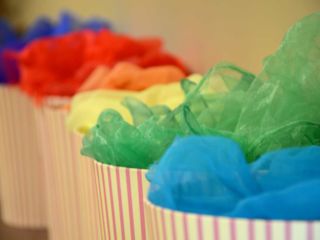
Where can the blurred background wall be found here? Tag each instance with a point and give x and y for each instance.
(203, 32)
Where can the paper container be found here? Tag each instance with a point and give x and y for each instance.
(72, 207)
(89, 201)
(21, 170)
(167, 224)
(120, 199)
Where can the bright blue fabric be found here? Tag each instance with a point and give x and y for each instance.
(68, 23)
(210, 175)
(282, 169)
(7, 34)
(8, 39)
(298, 202)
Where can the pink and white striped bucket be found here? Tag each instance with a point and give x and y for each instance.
(21, 169)
(120, 194)
(167, 224)
(72, 203)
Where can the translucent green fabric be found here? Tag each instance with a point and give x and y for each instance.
(278, 108)
(282, 107)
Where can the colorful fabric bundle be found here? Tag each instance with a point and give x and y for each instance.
(43, 27)
(10, 42)
(279, 108)
(68, 23)
(129, 76)
(86, 106)
(60, 65)
(115, 141)
(210, 175)
(7, 34)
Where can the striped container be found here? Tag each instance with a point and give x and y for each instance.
(168, 224)
(72, 206)
(21, 169)
(120, 194)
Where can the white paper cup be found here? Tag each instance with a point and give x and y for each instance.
(71, 197)
(167, 224)
(120, 199)
(21, 169)
(61, 176)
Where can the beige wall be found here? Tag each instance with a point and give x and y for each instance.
(203, 32)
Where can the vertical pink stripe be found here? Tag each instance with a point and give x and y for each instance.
(151, 223)
(85, 173)
(52, 195)
(60, 224)
(12, 156)
(63, 177)
(100, 199)
(42, 128)
(15, 206)
(140, 192)
(106, 205)
(60, 186)
(93, 204)
(120, 202)
(112, 204)
(130, 207)
(15, 154)
(163, 223)
(251, 230)
(310, 231)
(97, 194)
(35, 198)
(21, 154)
(268, 228)
(92, 195)
(199, 226)
(233, 229)
(185, 226)
(27, 182)
(173, 224)
(155, 216)
(54, 206)
(216, 229)
(9, 165)
(74, 170)
(287, 227)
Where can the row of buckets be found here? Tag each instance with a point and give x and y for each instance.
(46, 183)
